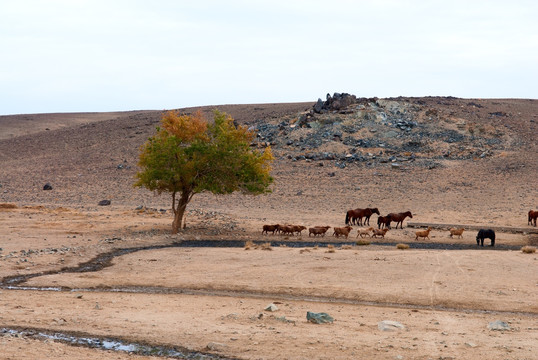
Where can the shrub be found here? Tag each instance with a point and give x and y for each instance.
(402, 246)
(528, 249)
(363, 242)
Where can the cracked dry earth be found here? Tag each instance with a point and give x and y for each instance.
(209, 302)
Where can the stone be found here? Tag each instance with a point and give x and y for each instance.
(104, 203)
(389, 325)
(318, 106)
(319, 318)
(214, 346)
(271, 307)
(47, 186)
(498, 325)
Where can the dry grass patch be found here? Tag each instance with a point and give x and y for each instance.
(330, 249)
(528, 249)
(402, 246)
(249, 245)
(266, 246)
(7, 206)
(363, 242)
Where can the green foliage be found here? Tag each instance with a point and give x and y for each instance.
(188, 155)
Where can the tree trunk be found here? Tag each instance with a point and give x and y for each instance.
(179, 211)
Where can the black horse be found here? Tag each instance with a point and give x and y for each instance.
(485, 234)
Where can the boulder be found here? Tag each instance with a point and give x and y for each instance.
(319, 318)
(498, 325)
(389, 325)
(271, 307)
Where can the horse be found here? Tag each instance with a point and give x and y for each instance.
(353, 215)
(532, 216)
(485, 234)
(383, 221)
(399, 218)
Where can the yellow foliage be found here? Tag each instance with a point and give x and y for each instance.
(185, 127)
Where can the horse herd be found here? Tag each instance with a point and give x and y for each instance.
(356, 216)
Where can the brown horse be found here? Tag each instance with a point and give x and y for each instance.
(383, 221)
(353, 215)
(399, 218)
(532, 217)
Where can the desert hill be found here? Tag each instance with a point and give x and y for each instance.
(76, 270)
(435, 155)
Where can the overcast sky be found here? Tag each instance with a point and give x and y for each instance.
(106, 55)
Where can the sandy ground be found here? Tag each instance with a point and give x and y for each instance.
(213, 299)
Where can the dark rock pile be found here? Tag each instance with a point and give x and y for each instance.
(375, 131)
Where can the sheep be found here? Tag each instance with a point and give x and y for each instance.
(363, 232)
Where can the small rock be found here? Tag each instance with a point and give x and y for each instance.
(319, 318)
(470, 344)
(498, 325)
(271, 307)
(47, 186)
(104, 203)
(389, 325)
(214, 346)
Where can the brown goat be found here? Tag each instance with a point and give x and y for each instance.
(423, 233)
(298, 229)
(380, 232)
(286, 229)
(270, 228)
(457, 232)
(318, 230)
(342, 231)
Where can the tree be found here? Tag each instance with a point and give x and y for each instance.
(189, 155)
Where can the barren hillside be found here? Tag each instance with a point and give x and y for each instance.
(438, 156)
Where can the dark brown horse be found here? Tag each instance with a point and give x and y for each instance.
(355, 216)
(399, 218)
(383, 222)
(532, 217)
